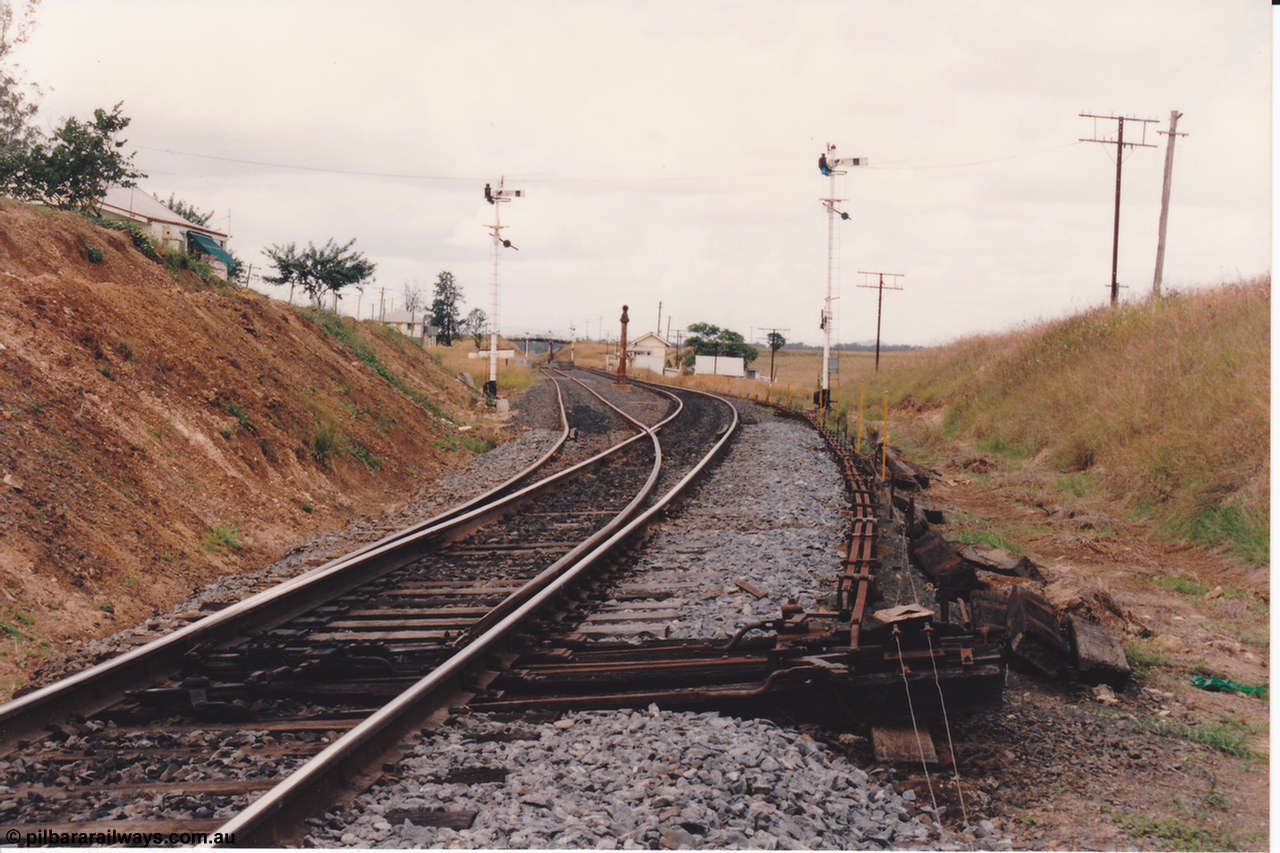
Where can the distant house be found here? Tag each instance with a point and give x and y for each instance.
(648, 352)
(166, 227)
(414, 325)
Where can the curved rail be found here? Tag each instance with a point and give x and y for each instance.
(98, 685)
(378, 732)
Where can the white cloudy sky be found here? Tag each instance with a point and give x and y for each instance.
(668, 149)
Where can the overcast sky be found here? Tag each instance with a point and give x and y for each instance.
(669, 153)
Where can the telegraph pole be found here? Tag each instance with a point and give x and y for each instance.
(497, 198)
(1173, 135)
(831, 165)
(1120, 145)
(658, 328)
(771, 331)
(881, 287)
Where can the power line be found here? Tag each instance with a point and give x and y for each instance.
(881, 287)
(325, 169)
(1120, 146)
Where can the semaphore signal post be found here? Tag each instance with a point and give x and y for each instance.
(831, 165)
(497, 198)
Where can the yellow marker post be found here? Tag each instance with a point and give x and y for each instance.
(884, 439)
(862, 390)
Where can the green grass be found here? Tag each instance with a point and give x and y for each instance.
(242, 417)
(367, 457)
(325, 442)
(221, 535)
(1225, 735)
(987, 537)
(105, 370)
(1175, 833)
(464, 442)
(1009, 450)
(348, 334)
(127, 348)
(1244, 534)
(1074, 484)
(1141, 658)
(1179, 584)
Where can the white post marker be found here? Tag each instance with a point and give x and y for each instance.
(831, 165)
(497, 198)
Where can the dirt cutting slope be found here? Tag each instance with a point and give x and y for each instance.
(156, 433)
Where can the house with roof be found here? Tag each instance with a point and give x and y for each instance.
(415, 325)
(648, 352)
(167, 228)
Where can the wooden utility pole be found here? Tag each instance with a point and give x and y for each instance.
(771, 331)
(1119, 143)
(1173, 134)
(881, 287)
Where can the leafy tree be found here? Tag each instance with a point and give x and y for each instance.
(445, 314)
(330, 267)
(189, 212)
(74, 169)
(707, 339)
(475, 325)
(17, 134)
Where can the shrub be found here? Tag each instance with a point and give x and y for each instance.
(324, 441)
(370, 460)
(221, 534)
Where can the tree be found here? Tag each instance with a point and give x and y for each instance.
(445, 314)
(330, 267)
(189, 212)
(74, 169)
(776, 342)
(706, 339)
(412, 300)
(17, 133)
(475, 325)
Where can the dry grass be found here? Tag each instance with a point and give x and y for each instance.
(1166, 403)
(512, 376)
(1163, 405)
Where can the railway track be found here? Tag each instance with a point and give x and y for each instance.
(243, 722)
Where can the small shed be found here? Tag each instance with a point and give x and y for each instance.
(166, 227)
(719, 365)
(648, 352)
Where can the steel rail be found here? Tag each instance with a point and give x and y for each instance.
(527, 591)
(96, 686)
(470, 503)
(389, 723)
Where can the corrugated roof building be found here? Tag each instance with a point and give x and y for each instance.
(166, 227)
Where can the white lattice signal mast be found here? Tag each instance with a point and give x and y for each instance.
(831, 165)
(497, 198)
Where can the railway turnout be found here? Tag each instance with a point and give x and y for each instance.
(249, 721)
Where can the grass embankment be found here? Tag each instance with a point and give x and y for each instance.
(1163, 404)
